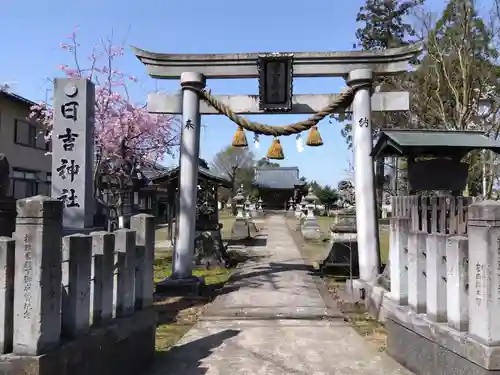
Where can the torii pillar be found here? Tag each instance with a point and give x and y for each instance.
(359, 67)
(364, 175)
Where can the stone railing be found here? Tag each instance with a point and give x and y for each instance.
(77, 303)
(445, 285)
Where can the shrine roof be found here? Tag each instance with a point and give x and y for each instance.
(277, 177)
(431, 143)
(152, 170)
(205, 173)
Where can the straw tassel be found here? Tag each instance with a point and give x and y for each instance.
(275, 151)
(314, 138)
(240, 139)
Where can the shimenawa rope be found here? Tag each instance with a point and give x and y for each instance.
(343, 101)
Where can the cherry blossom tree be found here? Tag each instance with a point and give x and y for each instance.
(128, 137)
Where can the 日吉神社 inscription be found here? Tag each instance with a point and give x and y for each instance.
(73, 150)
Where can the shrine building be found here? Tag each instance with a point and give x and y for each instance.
(277, 185)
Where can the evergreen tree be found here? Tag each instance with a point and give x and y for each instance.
(384, 23)
(458, 73)
(458, 69)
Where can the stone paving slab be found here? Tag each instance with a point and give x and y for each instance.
(272, 320)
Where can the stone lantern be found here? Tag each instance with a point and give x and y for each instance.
(298, 210)
(247, 207)
(238, 201)
(303, 206)
(310, 203)
(310, 228)
(259, 204)
(240, 229)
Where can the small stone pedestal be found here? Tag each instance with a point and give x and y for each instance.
(240, 230)
(180, 287)
(7, 216)
(209, 248)
(342, 250)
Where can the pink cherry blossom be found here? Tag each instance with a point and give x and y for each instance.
(148, 136)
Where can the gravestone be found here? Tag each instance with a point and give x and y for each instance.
(73, 150)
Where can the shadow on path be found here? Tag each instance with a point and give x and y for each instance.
(259, 275)
(187, 358)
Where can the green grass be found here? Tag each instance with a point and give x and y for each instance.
(356, 314)
(314, 250)
(161, 233)
(163, 269)
(176, 315)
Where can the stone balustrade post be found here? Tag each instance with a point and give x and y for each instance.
(417, 283)
(398, 252)
(7, 254)
(125, 272)
(484, 271)
(144, 228)
(436, 277)
(76, 270)
(457, 292)
(103, 263)
(37, 279)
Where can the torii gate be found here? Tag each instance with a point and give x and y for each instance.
(357, 67)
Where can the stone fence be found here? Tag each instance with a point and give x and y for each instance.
(79, 304)
(445, 285)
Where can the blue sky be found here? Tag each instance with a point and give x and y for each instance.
(35, 29)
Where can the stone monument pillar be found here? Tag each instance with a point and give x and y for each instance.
(310, 228)
(73, 153)
(366, 215)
